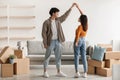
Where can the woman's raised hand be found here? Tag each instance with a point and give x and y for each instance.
(78, 8)
(72, 5)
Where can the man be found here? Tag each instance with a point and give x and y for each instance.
(53, 36)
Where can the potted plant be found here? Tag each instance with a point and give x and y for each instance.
(11, 59)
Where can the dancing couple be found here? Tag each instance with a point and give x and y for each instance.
(53, 36)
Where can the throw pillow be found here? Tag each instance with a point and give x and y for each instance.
(98, 53)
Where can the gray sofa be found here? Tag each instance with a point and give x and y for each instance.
(36, 52)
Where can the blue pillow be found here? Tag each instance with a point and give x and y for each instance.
(98, 53)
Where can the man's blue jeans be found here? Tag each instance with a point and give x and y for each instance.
(57, 48)
(80, 50)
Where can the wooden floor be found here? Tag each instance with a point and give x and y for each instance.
(36, 73)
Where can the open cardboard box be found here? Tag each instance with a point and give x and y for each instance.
(5, 53)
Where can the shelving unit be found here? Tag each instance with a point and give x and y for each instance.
(3, 25)
(11, 27)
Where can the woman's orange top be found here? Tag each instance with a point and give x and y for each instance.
(80, 33)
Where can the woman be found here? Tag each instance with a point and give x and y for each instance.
(80, 44)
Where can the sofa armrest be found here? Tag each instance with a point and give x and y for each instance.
(89, 50)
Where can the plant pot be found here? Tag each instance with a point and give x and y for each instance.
(11, 61)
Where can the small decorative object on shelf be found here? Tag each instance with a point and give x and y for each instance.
(19, 44)
(11, 59)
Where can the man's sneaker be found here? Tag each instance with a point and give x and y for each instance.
(46, 75)
(61, 74)
(85, 75)
(77, 75)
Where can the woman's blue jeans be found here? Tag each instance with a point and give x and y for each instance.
(80, 50)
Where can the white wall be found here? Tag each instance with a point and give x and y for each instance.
(103, 17)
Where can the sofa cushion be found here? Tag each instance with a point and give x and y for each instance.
(35, 48)
(67, 48)
(98, 53)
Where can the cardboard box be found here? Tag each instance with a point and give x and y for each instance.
(91, 70)
(18, 54)
(6, 52)
(107, 72)
(109, 63)
(7, 70)
(21, 66)
(112, 55)
(107, 46)
(96, 63)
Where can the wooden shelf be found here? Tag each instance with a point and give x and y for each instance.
(3, 38)
(23, 6)
(19, 17)
(22, 17)
(18, 6)
(3, 6)
(17, 38)
(3, 27)
(22, 28)
(18, 28)
(22, 38)
(3, 16)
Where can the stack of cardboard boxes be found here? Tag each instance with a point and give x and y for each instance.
(20, 66)
(104, 68)
(6, 69)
